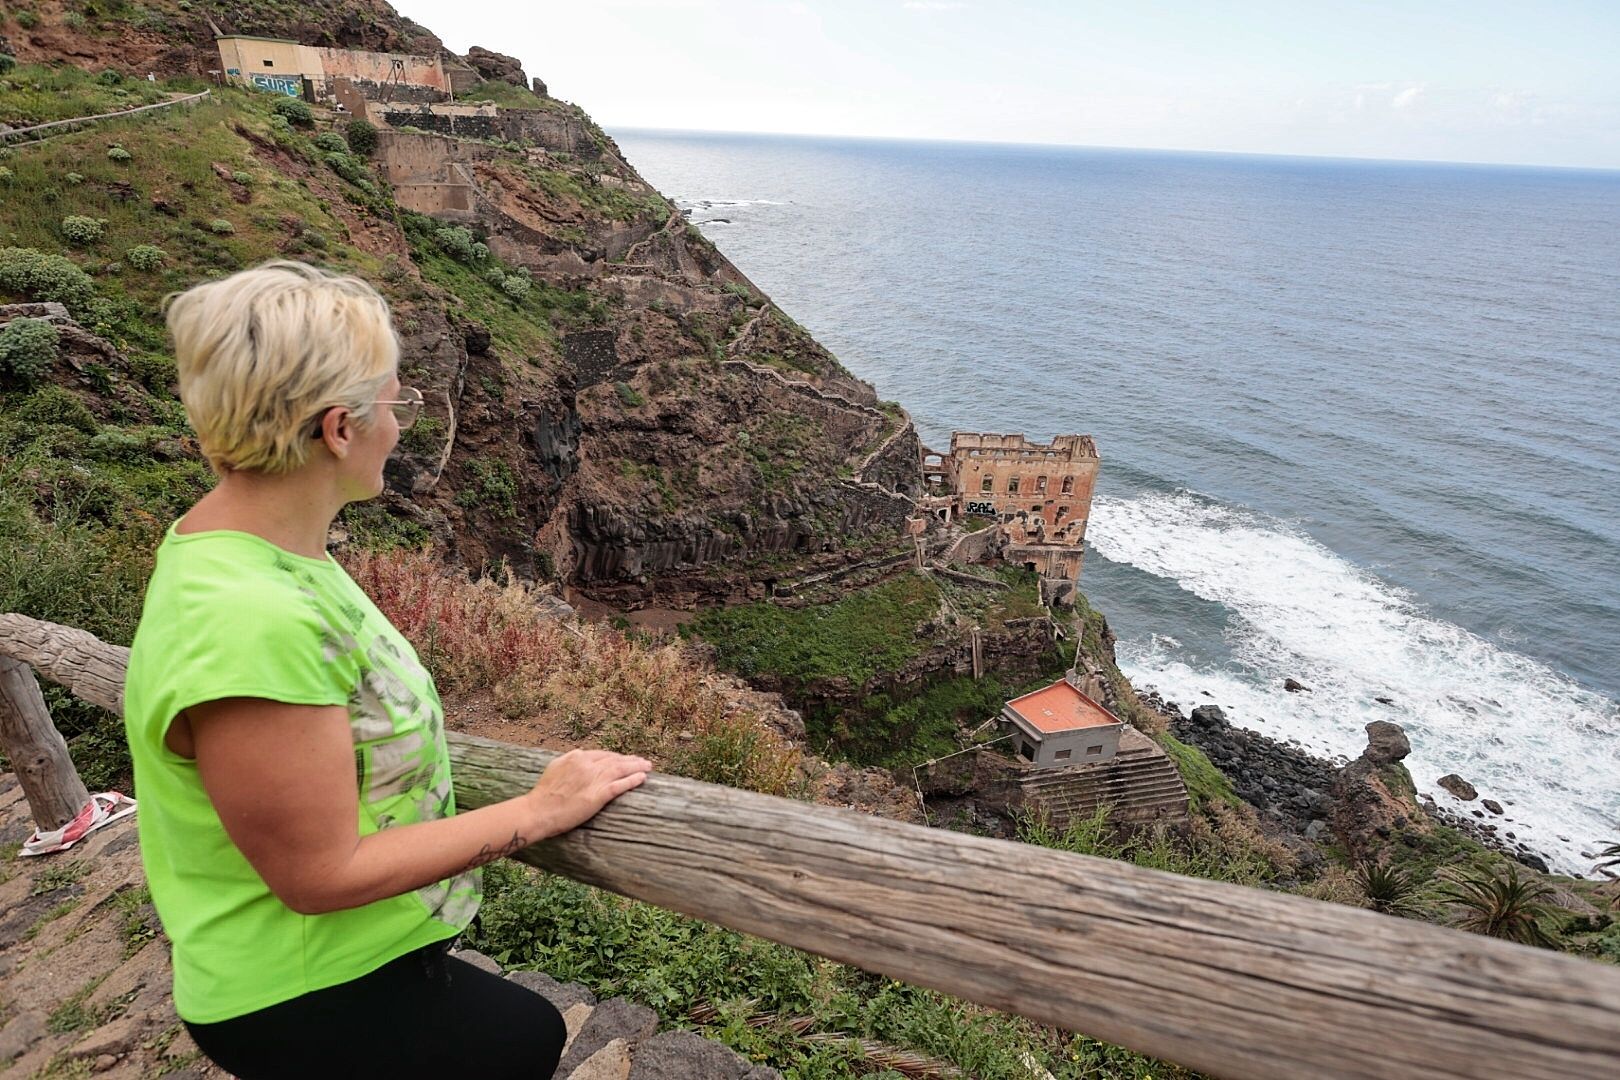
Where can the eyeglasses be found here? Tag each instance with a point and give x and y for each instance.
(406, 409)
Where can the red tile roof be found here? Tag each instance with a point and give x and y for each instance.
(1060, 707)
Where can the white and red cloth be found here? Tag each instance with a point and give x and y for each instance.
(102, 809)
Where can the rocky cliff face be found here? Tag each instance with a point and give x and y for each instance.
(633, 415)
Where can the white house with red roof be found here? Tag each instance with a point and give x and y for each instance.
(1061, 725)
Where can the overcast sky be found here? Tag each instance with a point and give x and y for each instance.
(1481, 80)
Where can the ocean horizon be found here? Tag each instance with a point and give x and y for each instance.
(1358, 418)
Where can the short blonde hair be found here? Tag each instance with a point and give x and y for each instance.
(261, 354)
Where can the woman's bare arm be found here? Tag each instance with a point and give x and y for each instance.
(282, 780)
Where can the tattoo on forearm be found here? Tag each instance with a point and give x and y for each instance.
(488, 854)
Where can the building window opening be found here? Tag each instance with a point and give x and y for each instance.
(1012, 486)
(1093, 751)
(1040, 485)
(1063, 512)
(1026, 751)
(269, 63)
(989, 481)
(1068, 485)
(1062, 755)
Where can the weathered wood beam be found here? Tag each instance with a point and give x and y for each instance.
(36, 750)
(88, 667)
(1228, 980)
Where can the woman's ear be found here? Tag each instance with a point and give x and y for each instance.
(337, 430)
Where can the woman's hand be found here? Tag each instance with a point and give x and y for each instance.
(579, 783)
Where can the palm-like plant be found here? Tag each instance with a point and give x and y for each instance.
(1501, 905)
(1388, 889)
(1609, 856)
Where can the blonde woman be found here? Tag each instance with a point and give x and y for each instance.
(297, 823)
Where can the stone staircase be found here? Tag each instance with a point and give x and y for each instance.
(1138, 784)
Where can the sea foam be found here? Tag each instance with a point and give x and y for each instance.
(1524, 734)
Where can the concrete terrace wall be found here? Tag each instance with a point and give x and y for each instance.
(552, 131)
(375, 67)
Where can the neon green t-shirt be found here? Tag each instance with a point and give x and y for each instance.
(229, 614)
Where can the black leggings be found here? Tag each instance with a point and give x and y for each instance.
(425, 1014)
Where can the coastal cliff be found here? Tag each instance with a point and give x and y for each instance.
(615, 408)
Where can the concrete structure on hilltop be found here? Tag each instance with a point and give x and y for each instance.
(1037, 497)
(1061, 725)
(315, 73)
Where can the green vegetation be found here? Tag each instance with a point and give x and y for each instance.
(295, 110)
(629, 395)
(81, 231)
(1500, 904)
(59, 876)
(1219, 846)
(28, 349)
(37, 94)
(620, 947)
(854, 638)
(494, 485)
(361, 135)
(1389, 889)
(1205, 783)
(899, 730)
(603, 199)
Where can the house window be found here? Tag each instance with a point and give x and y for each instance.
(1093, 751)
(989, 481)
(1026, 751)
(269, 63)
(1012, 486)
(1068, 485)
(1063, 512)
(1040, 485)
(1063, 755)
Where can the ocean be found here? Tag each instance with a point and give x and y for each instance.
(1359, 421)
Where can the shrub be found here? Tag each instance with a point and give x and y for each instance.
(38, 276)
(27, 20)
(28, 348)
(460, 244)
(109, 77)
(74, 178)
(54, 405)
(242, 178)
(118, 153)
(294, 111)
(145, 256)
(351, 169)
(332, 142)
(1500, 905)
(628, 394)
(221, 227)
(7, 61)
(361, 136)
(6, 175)
(279, 123)
(80, 230)
(516, 285)
(1388, 889)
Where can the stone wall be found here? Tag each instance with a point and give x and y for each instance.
(552, 131)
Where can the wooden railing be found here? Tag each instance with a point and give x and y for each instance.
(1227, 980)
(74, 121)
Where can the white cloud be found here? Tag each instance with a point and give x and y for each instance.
(932, 5)
(1406, 98)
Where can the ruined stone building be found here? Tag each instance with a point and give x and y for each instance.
(1036, 496)
(316, 73)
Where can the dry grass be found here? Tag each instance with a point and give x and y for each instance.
(492, 637)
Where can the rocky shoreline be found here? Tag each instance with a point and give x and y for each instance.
(1312, 797)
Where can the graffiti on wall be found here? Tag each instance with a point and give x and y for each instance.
(988, 509)
(290, 85)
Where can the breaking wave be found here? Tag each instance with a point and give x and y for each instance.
(1521, 732)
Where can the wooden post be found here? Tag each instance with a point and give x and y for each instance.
(36, 749)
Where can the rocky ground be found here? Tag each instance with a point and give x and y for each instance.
(85, 979)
